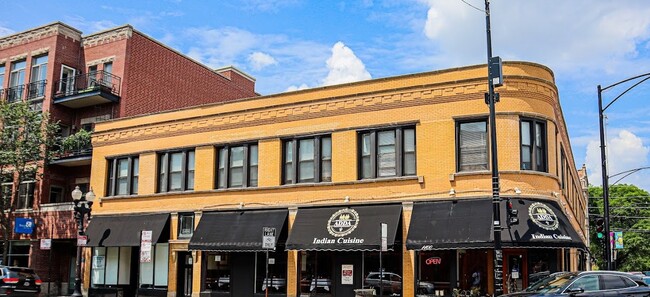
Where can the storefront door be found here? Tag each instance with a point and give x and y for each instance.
(344, 283)
(243, 274)
(516, 271)
(184, 285)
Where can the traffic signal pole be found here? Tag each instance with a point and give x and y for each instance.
(496, 199)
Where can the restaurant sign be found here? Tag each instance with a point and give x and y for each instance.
(342, 223)
(544, 217)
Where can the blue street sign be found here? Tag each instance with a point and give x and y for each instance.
(24, 226)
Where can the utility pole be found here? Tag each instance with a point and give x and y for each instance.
(494, 75)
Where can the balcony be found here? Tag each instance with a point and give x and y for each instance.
(32, 91)
(74, 150)
(94, 88)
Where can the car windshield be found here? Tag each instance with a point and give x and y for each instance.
(552, 284)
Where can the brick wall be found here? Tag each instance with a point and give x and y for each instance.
(158, 79)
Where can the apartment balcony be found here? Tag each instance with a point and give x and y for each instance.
(74, 150)
(32, 92)
(94, 88)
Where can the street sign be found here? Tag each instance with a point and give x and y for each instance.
(268, 238)
(46, 243)
(82, 240)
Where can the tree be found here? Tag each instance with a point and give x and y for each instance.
(27, 137)
(629, 213)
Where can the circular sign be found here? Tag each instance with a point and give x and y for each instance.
(543, 216)
(343, 222)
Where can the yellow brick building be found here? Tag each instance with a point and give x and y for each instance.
(325, 167)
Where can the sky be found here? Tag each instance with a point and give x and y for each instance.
(295, 44)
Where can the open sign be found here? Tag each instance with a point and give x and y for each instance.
(433, 261)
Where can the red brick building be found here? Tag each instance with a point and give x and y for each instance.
(82, 80)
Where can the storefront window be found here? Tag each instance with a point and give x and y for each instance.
(316, 272)
(154, 274)
(277, 281)
(435, 270)
(111, 266)
(541, 263)
(217, 271)
(317, 269)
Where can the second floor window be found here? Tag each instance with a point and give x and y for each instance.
(387, 153)
(472, 146)
(533, 145)
(308, 160)
(237, 166)
(25, 199)
(123, 176)
(16, 81)
(176, 171)
(185, 225)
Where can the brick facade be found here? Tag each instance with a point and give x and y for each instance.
(154, 78)
(432, 102)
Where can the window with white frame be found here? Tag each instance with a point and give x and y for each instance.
(387, 153)
(111, 266)
(154, 274)
(176, 171)
(237, 166)
(308, 160)
(472, 145)
(123, 174)
(185, 225)
(25, 199)
(37, 78)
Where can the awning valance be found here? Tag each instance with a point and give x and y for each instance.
(353, 228)
(237, 231)
(125, 230)
(463, 224)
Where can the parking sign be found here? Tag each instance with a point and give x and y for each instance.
(268, 238)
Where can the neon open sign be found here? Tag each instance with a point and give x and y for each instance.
(433, 261)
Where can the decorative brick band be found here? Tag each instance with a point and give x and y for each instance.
(39, 33)
(120, 33)
(324, 108)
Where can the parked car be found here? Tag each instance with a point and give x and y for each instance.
(646, 279)
(588, 283)
(19, 281)
(392, 284)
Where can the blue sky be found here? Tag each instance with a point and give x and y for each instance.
(293, 44)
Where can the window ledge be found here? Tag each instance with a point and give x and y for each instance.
(530, 172)
(469, 173)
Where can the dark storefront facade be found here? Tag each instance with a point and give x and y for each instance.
(338, 249)
(233, 259)
(453, 241)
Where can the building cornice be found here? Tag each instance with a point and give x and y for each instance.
(46, 31)
(110, 35)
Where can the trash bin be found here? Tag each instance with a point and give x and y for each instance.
(364, 292)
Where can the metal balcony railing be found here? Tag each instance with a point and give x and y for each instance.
(92, 81)
(36, 89)
(15, 94)
(30, 91)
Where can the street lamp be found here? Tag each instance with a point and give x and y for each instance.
(603, 155)
(82, 208)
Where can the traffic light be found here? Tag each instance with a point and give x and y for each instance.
(512, 213)
(600, 228)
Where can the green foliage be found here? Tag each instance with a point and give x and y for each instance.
(630, 213)
(26, 139)
(77, 142)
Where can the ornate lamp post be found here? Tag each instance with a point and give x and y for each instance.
(82, 208)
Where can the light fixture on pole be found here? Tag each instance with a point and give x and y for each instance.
(603, 154)
(82, 208)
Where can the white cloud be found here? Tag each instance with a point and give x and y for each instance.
(344, 66)
(625, 152)
(259, 60)
(296, 88)
(89, 27)
(6, 31)
(566, 35)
